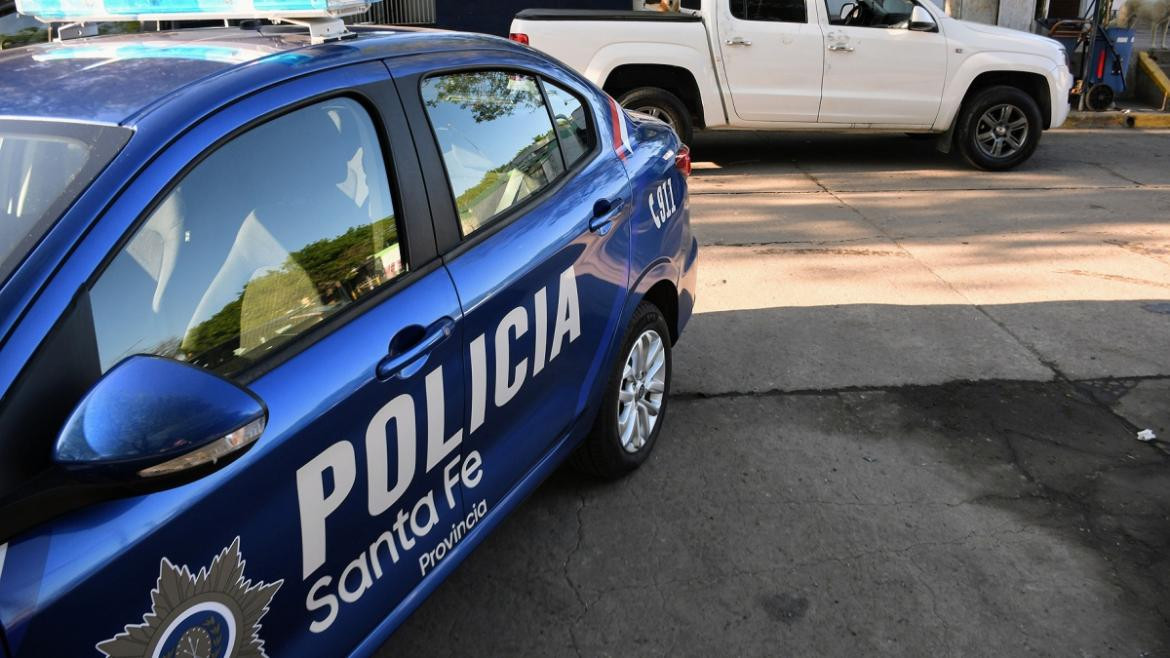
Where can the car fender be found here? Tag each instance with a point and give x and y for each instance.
(645, 53)
(987, 62)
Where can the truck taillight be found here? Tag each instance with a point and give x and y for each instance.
(519, 37)
(683, 160)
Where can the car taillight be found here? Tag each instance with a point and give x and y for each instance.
(683, 160)
(519, 38)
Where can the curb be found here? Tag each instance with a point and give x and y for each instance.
(1138, 120)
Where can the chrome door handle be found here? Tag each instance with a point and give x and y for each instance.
(841, 48)
(738, 41)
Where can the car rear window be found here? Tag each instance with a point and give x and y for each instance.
(572, 122)
(497, 140)
(44, 166)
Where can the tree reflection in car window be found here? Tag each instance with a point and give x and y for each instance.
(276, 231)
(497, 140)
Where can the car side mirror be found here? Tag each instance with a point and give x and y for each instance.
(921, 20)
(846, 10)
(151, 417)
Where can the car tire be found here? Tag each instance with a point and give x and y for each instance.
(661, 104)
(999, 128)
(608, 452)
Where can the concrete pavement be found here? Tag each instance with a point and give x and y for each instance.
(903, 422)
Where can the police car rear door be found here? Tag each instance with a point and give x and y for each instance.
(531, 203)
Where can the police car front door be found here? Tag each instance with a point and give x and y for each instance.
(542, 269)
(313, 281)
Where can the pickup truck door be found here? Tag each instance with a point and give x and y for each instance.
(877, 71)
(772, 58)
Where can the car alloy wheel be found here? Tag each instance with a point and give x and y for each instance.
(656, 112)
(1001, 131)
(642, 388)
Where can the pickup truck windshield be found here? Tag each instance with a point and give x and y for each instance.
(44, 166)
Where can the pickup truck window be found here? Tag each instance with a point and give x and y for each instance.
(780, 11)
(870, 13)
(497, 140)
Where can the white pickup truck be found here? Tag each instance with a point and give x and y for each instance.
(897, 65)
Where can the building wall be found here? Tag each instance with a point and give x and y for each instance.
(1016, 14)
(494, 17)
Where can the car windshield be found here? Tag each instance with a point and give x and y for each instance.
(44, 166)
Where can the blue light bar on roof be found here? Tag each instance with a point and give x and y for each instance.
(93, 11)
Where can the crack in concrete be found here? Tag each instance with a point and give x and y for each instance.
(892, 388)
(569, 579)
(1116, 277)
(867, 238)
(1031, 349)
(1109, 170)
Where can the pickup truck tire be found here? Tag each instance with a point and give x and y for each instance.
(999, 127)
(661, 104)
(635, 400)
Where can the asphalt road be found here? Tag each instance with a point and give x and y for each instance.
(903, 421)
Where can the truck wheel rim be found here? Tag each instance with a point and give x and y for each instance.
(1001, 131)
(657, 113)
(643, 387)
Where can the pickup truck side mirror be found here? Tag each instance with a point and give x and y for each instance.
(155, 419)
(921, 20)
(846, 10)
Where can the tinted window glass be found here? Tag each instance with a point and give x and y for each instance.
(497, 140)
(271, 234)
(572, 124)
(784, 11)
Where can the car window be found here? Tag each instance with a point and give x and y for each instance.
(870, 13)
(274, 232)
(783, 11)
(44, 166)
(497, 140)
(571, 121)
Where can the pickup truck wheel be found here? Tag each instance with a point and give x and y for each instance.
(999, 128)
(663, 105)
(634, 403)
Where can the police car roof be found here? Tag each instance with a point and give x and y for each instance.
(115, 79)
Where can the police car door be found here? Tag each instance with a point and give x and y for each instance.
(537, 242)
(276, 244)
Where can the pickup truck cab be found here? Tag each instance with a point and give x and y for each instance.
(894, 65)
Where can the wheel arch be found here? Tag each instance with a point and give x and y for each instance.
(1033, 84)
(664, 295)
(657, 285)
(1030, 74)
(675, 79)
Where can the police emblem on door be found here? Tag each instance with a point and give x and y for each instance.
(213, 614)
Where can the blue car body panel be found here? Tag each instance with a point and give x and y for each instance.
(313, 581)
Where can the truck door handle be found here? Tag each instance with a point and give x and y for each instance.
(841, 48)
(738, 41)
(404, 361)
(604, 211)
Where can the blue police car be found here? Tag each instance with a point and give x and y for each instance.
(291, 318)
